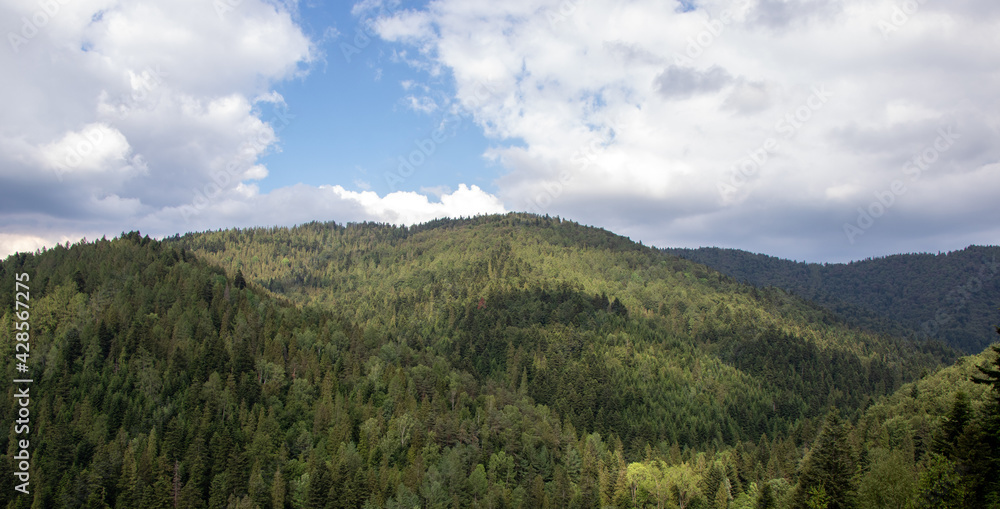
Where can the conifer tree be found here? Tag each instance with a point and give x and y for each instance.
(766, 498)
(827, 473)
(954, 425)
(239, 281)
(988, 472)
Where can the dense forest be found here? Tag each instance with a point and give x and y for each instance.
(501, 361)
(950, 296)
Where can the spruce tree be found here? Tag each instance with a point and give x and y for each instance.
(239, 281)
(954, 425)
(828, 470)
(766, 498)
(987, 470)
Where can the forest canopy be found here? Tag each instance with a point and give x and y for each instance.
(501, 361)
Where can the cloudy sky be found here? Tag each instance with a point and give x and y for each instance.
(819, 130)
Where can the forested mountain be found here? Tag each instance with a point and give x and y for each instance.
(504, 361)
(949, 296)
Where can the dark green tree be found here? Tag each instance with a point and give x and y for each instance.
(239, 281)
(954, 425)
(828, 469)
(766, 498)
(987, 471)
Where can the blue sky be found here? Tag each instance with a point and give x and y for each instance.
(819, 130)
(352, 118)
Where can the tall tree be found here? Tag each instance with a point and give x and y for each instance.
(954, 425)
(828, 470)
(988, 471)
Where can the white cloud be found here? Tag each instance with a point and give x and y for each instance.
(301, 203)
(97, 147)
(13, 243)
(405, 26)
(630, 114)
(410, 208)
(129, 115)
(139, 101)
(624, 114)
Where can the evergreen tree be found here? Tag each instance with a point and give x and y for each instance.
(239, 281)
(954, 425)
(987, 471)
(360, 368)
(828, 470)
(766, 498)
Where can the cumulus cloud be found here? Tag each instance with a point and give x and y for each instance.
(134, 114)
(761, 124)
(301, 203)
(123, 107)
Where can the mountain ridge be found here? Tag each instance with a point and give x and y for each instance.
(947, 296)
(503, 361)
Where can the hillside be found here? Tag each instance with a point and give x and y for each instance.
(478, 282)
(936, 441)
(951, 297)
(511, 361)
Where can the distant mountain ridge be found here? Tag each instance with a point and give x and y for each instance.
(951, 296)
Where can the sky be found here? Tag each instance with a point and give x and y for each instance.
(817, 130)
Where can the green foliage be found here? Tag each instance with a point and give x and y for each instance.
(826, 478)
(511, 361)
(889, 482)
(984, 454)
(940, 484)
(945, 296)
(598, 327)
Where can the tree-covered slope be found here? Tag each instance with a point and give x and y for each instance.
(947, 296)
(523, 298)
(511, 361)
(936, 441)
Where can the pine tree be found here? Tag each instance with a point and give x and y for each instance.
(766, 498)
(477, 483)
(827, 472)
(278, 490)
(239, 280)
(319, 484)
(988, 453)
(97, 499)
(954, 425)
